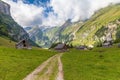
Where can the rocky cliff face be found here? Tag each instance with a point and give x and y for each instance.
(4, 8)
(8, 27)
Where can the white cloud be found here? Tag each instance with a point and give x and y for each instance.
(52, 20)
(78, 9)
(30, 15)
(25, 14)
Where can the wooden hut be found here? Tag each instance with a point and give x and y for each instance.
(82, 47)
(108, 41)
(119, 45)
(23, 44)
(61, 47)
(107, 44)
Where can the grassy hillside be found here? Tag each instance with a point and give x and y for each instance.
(98, 64)
(16, 64)
(95, 28)
(68, 34)
(65, 33)
(6, 42)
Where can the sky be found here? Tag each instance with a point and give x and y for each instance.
(49, 13)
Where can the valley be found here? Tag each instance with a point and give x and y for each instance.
(39, 64)
(87, 49)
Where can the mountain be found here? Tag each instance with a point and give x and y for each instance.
(104, 24)
(45, 37)
(42, 36)
(9, 29)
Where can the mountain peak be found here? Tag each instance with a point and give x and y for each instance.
(4, 8)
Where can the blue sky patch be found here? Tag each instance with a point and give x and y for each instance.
(40, 3)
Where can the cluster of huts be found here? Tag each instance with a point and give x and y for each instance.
(107, 43)
(61, 47)
(24, 44)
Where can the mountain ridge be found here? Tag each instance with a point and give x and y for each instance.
(91, 32)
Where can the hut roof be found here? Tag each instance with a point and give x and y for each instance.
(81, 47)
(21, 41)
(106, 44)
(60, 46)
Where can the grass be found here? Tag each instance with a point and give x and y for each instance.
(16, 64)
(97, 64)
(4, 41)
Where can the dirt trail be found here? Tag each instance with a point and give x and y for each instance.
(48, 70)
(60, 70)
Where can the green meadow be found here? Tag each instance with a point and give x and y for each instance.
(97, 64)
(16, 64)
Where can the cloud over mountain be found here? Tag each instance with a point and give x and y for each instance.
(78, 9)
(25, 14)
(31, 15)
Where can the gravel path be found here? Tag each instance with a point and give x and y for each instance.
(51, 69)
(60, 68)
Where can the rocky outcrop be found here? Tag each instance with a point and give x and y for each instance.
(8, 27)
(4, 8)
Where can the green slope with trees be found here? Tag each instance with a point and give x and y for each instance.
(100, 24)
